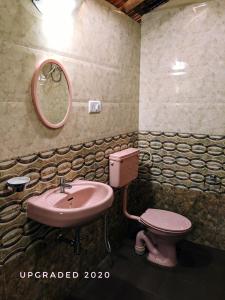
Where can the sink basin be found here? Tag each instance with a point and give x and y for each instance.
(78, 205)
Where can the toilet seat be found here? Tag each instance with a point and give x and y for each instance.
(165, 221)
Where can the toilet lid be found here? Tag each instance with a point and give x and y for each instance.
(165, 220)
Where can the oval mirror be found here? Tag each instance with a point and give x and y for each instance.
(51, 93)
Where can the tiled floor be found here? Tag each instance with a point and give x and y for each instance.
(200, 275)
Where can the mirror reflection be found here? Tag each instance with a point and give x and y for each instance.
(53, 92)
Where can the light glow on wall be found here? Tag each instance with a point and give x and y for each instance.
(179, 65)
(178, 68)
(58, 21)
(58, 33)
(56, 7)
(199, 7)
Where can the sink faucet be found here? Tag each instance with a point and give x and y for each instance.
(64, 185)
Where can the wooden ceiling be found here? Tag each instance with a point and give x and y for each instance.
(136, 8)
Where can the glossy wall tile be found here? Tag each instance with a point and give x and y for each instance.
(182, 69)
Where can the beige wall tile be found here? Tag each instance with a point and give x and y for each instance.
(100, 50)
(185, 117)
(189, 100)
(22, 132)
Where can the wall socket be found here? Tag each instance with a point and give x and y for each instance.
(94, 106)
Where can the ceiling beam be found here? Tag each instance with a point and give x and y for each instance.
(148, 5)
(136, 8)
(130, 4)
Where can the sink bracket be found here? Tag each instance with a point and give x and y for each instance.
(75, 243)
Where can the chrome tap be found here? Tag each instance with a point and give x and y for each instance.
(64, 185)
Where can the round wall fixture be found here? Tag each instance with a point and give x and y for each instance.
(51, 93)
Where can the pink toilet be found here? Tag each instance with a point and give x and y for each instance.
(163, 228)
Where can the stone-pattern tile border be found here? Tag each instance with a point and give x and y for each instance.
(190, 161)
(86, 161)
(186, 161)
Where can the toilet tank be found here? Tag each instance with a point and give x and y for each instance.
(123, 167)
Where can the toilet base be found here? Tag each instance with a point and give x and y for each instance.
(164, 259)
(162, 250)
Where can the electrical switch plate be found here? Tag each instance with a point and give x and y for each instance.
(94, 106)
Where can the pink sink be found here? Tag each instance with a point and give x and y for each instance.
(79, 204)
